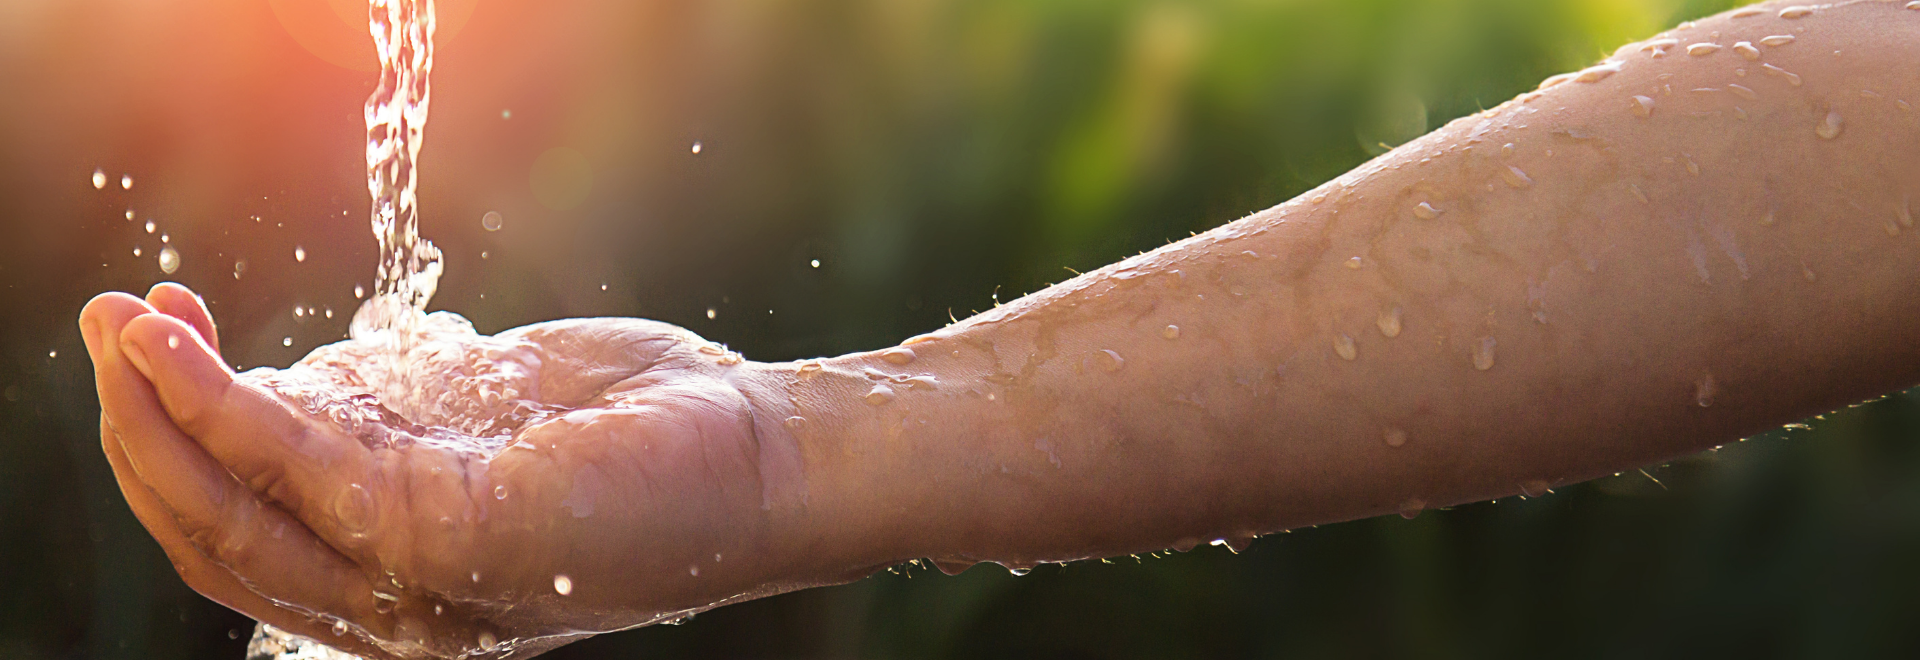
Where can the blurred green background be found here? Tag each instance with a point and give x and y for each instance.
(929, 155)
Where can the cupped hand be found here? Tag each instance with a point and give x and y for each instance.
(511, 494)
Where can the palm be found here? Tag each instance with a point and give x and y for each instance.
(514, 487)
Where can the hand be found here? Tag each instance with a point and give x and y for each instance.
(553, 481)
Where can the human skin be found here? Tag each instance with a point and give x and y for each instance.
(1654, 257)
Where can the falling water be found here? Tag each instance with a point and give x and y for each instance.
(409, 270)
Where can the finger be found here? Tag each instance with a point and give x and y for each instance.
(306, 582)
(100, 323)
(246, 429)
(182, 303)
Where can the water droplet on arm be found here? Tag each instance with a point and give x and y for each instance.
(901, 356)
(1394, 437)
(1170, 332)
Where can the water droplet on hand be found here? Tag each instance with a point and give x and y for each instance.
(1796, 12)
(173, 341)
(1395, 437)
(1777, 40)
(1425, 211)
(795, 422)
(1170, 332)
(880, 395)
(1389, 322)
(1747, 51)
(1829, 128)
(1344, 347)
(169, 260)
(353, 507)
(1483, 354)
(1515, 178)
(562, 584)
(1411, 508)
(499, 492)
(492, 221)
(339, 627)
(1110, 361)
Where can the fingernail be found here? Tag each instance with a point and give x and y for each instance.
(137, 357)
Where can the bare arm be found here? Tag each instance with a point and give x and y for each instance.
(1630, 265)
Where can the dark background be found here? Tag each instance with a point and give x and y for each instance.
(931, 154)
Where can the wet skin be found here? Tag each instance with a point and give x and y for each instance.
(1641, 261)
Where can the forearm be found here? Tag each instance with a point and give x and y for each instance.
(1613, 288)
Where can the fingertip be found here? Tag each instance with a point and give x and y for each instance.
(103, 317)
(180, 302)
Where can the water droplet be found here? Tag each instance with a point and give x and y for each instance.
(299, 312)
(898, 355)
(1829, 128)
(1746, 50)
(1796, 12)
(1748, 12)
(1693, 168)
(1743, 91)
(1110, 361)
(1791, 77)
(1425, 211)
(499, 492)
(99, 179)
(1395, 437)
(1483, 354)
(299, 253)
(1703, 49)
(1637, 193)
(1411, 508)
(1343, 346)
(129, 214)
(1516, 178)
(1642, 106)
(696, 147)
(1777, 40)
(136, 250)
(166, 239)
(879, 395)
(359, 292)
(693, 571)
(339, 627)
(173, 341)
(1598, 72)
(353, 508)
(953, 565)
(492, 221)
(150, 226)
(603, 286)
(711, 312)
(476, 577)
(795, 422)
(53, 353)
(1904, 212)
(1389, 322)
(815, 263)
(1535, 488)
(487, 641)
(562, 584)
(329, 312)
(1354, 263)
(126, 182)
(169, 260)
(286, 341)
(1170, 332)
(1704, 389)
